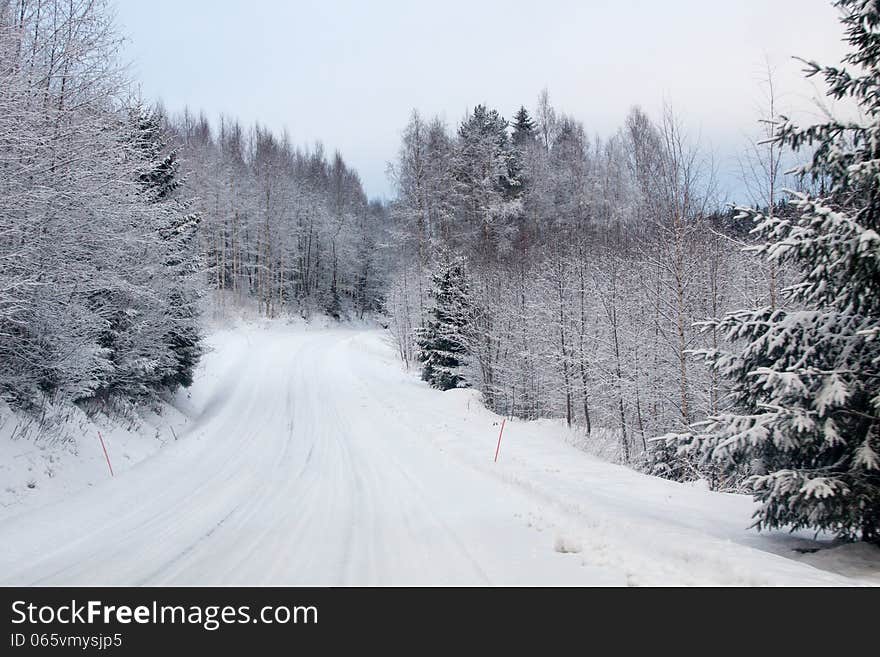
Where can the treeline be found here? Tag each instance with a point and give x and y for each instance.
(598, 281)
(115, 218)
(97, 253)
(283, 227)
(582, 267)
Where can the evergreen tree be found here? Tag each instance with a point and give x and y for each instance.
(807, 382)
(177, 235)
(183, 336)
(524, 132)
(523, 137)
(334, 303)
(486, 185)
(442, 342)
(161, 175)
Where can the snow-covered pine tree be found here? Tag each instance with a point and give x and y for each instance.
(806, 384)
(523, 137)
(160, 179)
(485, 185)
(524, 131)
(442, 341)
(333, 306)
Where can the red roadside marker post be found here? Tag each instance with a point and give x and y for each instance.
(498, 448)
(106, 456)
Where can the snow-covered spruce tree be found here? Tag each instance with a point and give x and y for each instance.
(178, 242)
(442, 341)
(485, 188)
(524, 128)
(523, 138)
(153, 338)
(806, 383)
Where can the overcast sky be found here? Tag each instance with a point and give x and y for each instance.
(349, 73)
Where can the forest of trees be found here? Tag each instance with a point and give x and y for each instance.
(116, 218)
(599, 280)
(587, 263)
(286, 228)
(97, 251)
(602, 281)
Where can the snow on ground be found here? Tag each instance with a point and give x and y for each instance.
(311, 457)
(38, 467)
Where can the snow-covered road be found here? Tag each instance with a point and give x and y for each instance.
(312, 458)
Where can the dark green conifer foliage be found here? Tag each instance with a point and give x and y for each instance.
(442, 342)
(806, 378)
(159, 181)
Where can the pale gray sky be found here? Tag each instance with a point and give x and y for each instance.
(349, 73)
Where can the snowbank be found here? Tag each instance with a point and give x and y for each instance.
(39, 466)
(678, 532)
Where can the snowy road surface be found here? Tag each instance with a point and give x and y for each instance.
(312, 458)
